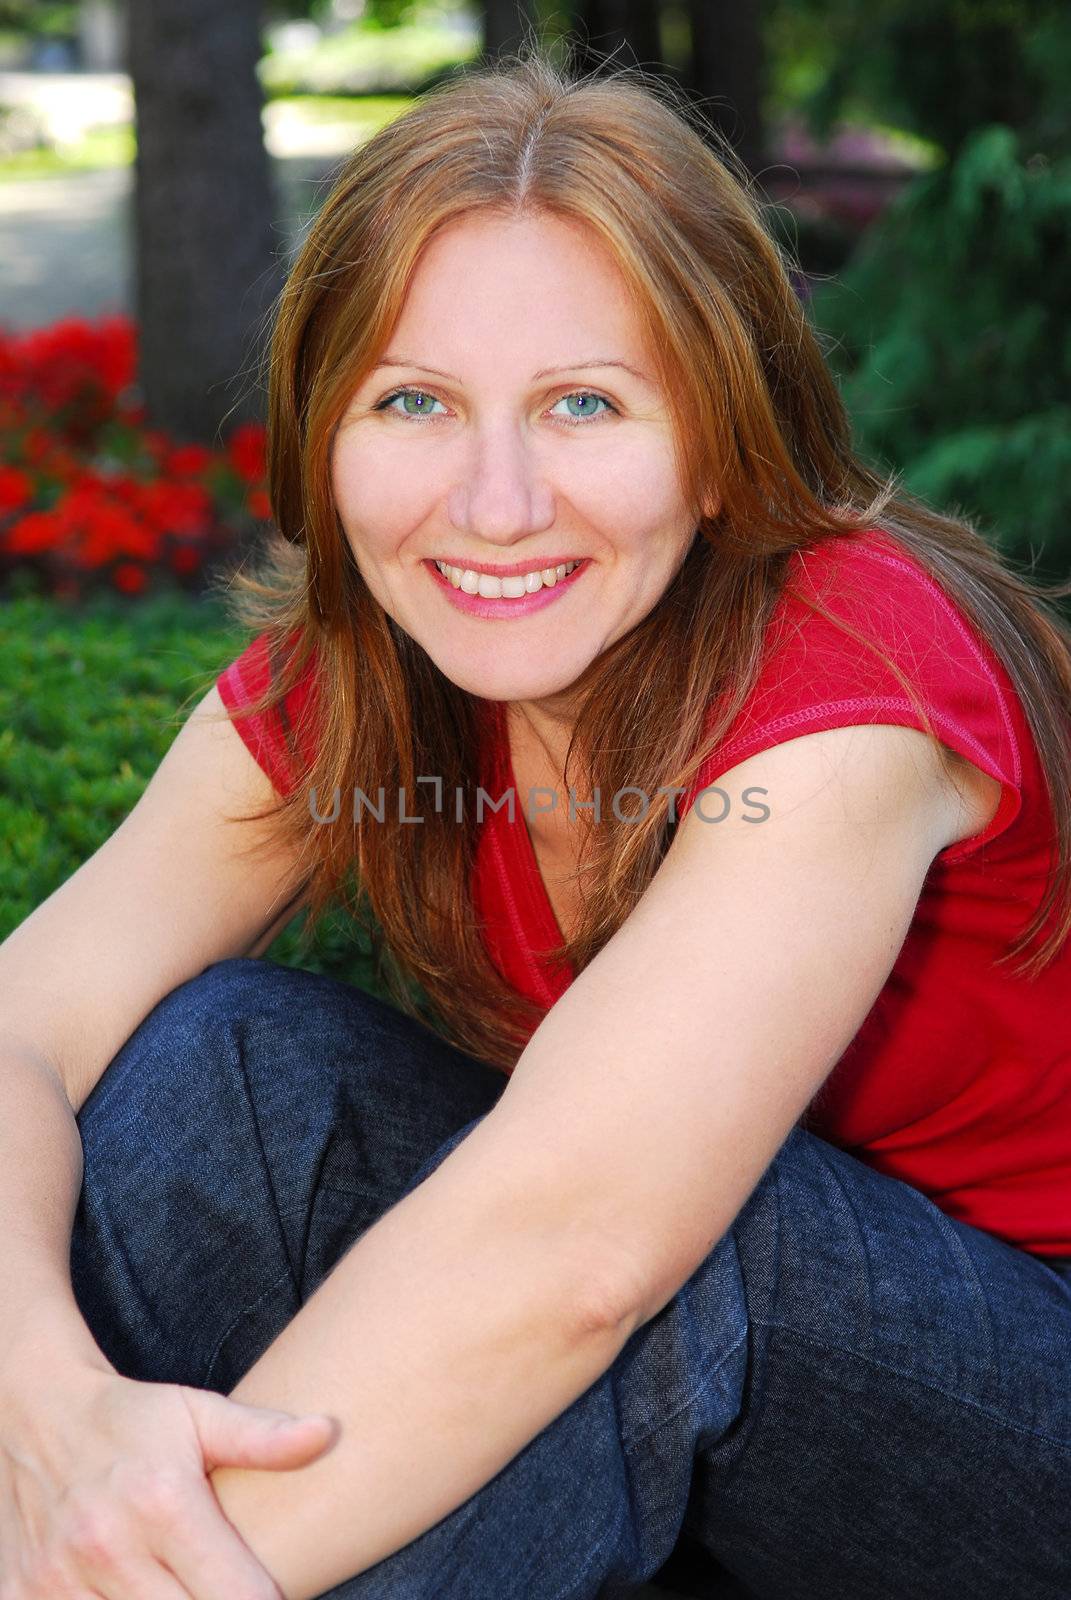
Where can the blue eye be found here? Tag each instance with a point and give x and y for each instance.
(427, 400)
(586, 395)
(409, 394)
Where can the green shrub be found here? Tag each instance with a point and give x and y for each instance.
(91, 699)
(366, 60)
(948, 330)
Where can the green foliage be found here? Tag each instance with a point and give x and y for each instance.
(373, 55)
(58, 18)
(950, 336)
(90, 700)
(380, 13)
(940, 70)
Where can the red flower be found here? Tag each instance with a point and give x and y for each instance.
(37, 444)
(189, 460)
(179, 508)
(128, 578)
(74, 370)
(89, 490)
(97, 528)
(247, 450)
(259, 505)
(15, 489)
(185, 559)
(31, 534)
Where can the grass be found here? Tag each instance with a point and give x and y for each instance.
(100, 148)
(90, 700)
(358, 109)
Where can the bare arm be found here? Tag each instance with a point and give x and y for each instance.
(483, 1304)
(40, 1179)
(139, 917)
(443, 1342)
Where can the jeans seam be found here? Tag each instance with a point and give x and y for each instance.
(238, 1057)
(225, 1335)
(593, 1554)
(685, 1405)
(633, 1519)
(860, 1228)
(923, 1383)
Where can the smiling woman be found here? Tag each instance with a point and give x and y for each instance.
(725, 1104)
(504, 471)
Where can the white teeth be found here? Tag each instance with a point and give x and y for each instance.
(489, 588)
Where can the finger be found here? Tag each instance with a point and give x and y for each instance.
(209, 1557)
(151, 1582)
(146, 1579)
(123, 1576)
(100, 1572)
(232, 1434)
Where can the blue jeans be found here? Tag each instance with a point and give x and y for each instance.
(854, 1397)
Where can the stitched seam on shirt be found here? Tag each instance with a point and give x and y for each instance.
(957, 622)
(274, 668)
(265, 754)
(792, 719)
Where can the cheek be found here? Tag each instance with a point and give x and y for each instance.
(640, 489)
(341, 482)
(371, 510)
(377, 496)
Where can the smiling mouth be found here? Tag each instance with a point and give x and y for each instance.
(488, 587)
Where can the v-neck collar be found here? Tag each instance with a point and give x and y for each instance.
(531, 913)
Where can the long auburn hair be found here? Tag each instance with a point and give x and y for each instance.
(764, 449)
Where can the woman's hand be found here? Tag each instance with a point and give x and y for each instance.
(104, 1492)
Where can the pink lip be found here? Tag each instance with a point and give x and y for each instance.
(477, 606)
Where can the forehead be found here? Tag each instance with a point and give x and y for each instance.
(539, 288)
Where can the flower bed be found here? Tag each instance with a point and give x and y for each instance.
(93, 498)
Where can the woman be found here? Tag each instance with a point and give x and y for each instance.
(713, 1171)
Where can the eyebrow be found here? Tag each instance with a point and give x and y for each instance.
(544, 372)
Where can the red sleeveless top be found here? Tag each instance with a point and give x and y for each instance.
(959, 1079)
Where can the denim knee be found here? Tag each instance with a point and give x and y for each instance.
(833, 1254)
(253, 1125)
(273, 1025)
(174, 1225)
(182, 1035)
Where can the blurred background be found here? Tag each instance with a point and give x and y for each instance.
(160, 160)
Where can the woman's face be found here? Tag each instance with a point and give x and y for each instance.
(533, 433)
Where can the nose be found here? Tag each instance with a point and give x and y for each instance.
(504, 496)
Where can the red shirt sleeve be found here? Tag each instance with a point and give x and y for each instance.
(815, 677)
(282, 739)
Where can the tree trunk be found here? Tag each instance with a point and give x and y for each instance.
(504, 24)
(206, 271)
(727, 64)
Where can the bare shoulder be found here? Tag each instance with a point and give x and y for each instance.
(902, 768)
(857, 781)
